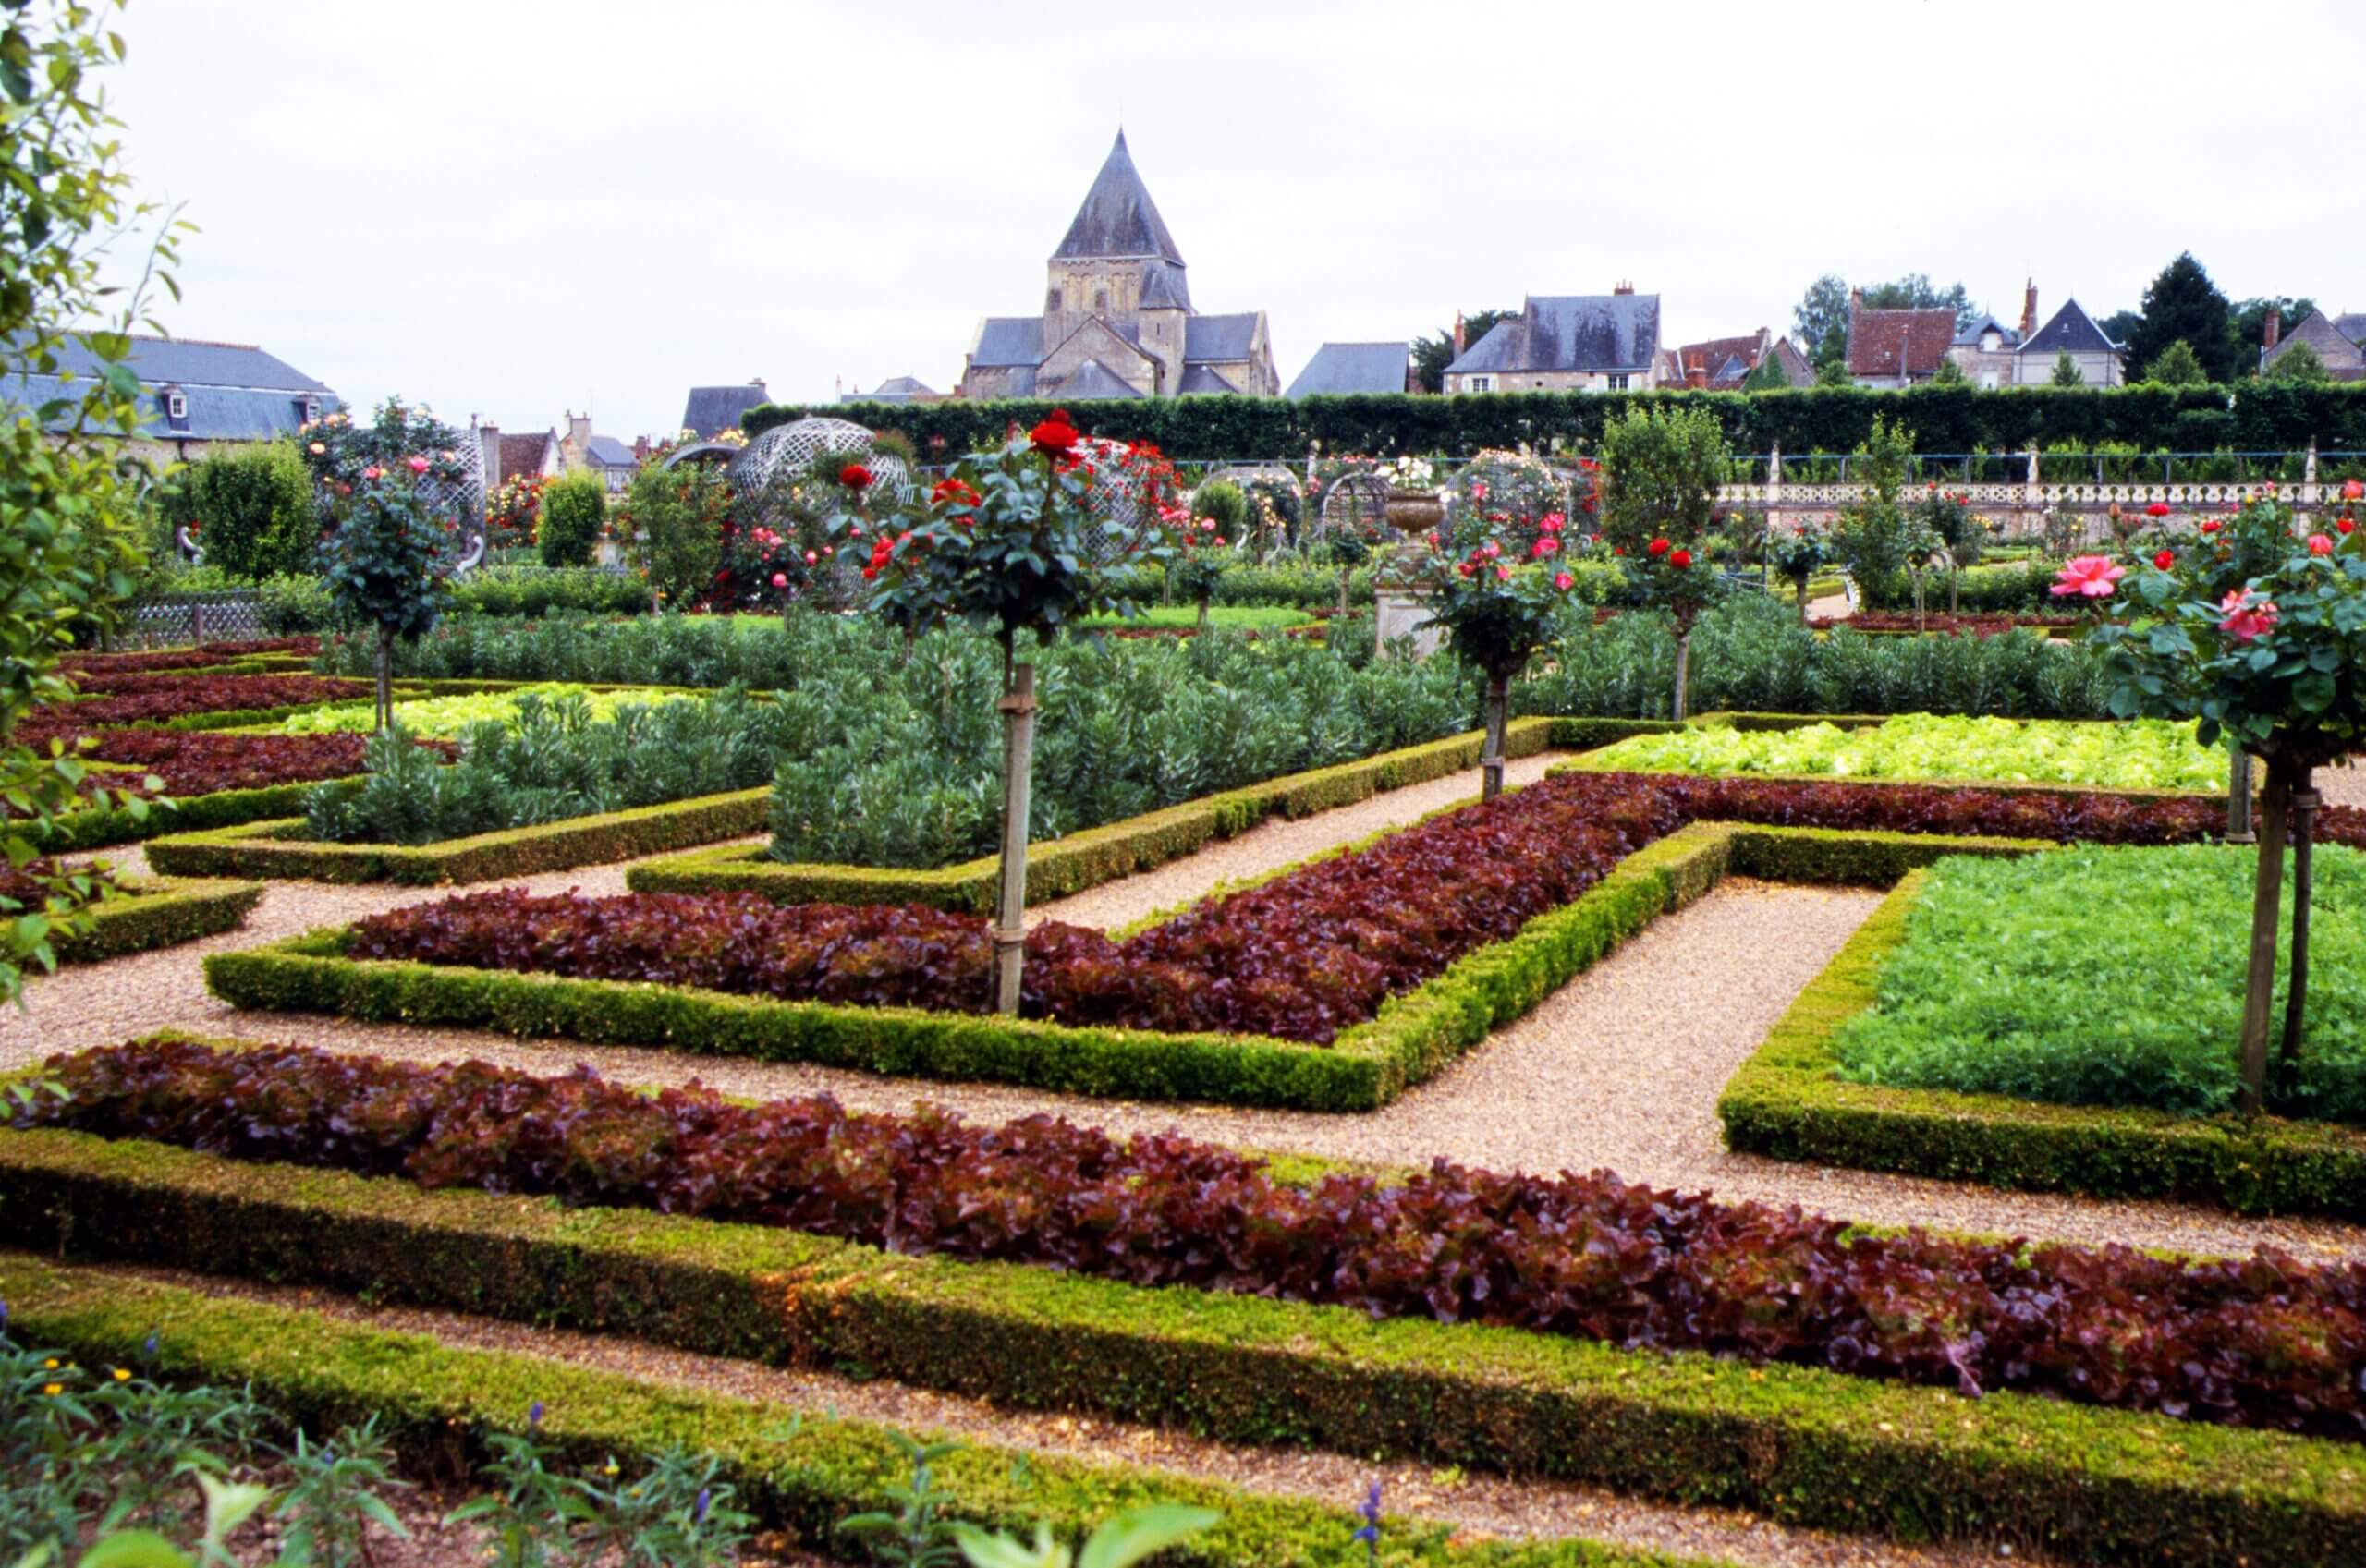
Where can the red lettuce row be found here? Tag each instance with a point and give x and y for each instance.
(140, 698)
(198, 658)
(192, 762)
(21, 886)
(2261, 1342)
(1301, 957)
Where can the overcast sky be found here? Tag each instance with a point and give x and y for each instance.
(515, 209)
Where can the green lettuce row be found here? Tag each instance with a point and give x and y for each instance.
(1788, 1103)
(1803, 1445)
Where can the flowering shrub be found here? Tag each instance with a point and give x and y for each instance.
(512, 512)
(1660, 475)
(341, 453)
(1797, 556)
(146, 698)
(2266, 1341)
(672, 522)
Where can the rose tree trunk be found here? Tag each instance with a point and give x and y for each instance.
(1010, 927)
(1490, 758)
(2267, 909)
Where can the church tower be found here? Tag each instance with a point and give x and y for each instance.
(1118, 263)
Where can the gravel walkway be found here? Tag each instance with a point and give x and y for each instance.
(1479, 1504)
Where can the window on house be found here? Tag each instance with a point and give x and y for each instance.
(1479, 383)
(312, 410)
(1052, 299)
(176, 404)
(1617, 382)
(1101, 299)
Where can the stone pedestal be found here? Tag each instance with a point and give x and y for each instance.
(1399, 611)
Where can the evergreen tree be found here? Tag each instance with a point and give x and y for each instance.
(2066, 371)
(1766, 375)
(1833, 372)
(2299, 363)
(1949, 373)
(2250, 321)
(2176, 365)
(2183, 305)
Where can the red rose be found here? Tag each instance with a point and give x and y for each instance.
(1659, 547)
(2320, 545)
(2352, 490)
(2158, 509)
(2340, 525)
(2210, 525)
(870, 573)
(1054, 437)
(1681, 558)
(954, 494)
(854, 476)
(1565, 582)
(2165, 559)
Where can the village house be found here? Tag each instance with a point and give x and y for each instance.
(1895, 348)
(1340, 369)
(711, 410)
(1567, 342)
(194, 396)
(2341, 344)
(1722, 364)
(1117, 318)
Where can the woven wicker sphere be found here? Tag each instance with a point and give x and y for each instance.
(787, 450)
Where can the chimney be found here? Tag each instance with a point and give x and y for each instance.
(2029, 311)
(1459, 335)
(1696, 376)
(2272, 328)
(579, 429)
(1622, 287)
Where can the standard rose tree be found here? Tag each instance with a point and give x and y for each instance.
(1497, 602)
(2256, 628)
(1012, 542)
(1660, 475)
(387, 561)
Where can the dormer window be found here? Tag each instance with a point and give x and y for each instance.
(175, 404)
(312, 410)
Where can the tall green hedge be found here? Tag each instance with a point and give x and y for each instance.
(2254, 416)
(252, 508)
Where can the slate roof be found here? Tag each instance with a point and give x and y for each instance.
(610, 453)
(2341, 356)
(231, 391)
(2010, 337)
(2352, 326)
(1165, 287)
(1009, 340)
(1095, 380)
(1118, 218)
(713, 409)
(523, 454)
(1571, 332)
(1220, 337)
(1339, 368)
(2069, 328)
(1889, 343)
(1201, 378)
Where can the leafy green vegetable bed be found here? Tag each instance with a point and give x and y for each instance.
(2108, 977)
(443, 717)
(1229, 617)
(2138, 754)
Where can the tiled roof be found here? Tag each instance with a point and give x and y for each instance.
(1890, 343)
(1339, 368)
(1571, 332)
(1220, 337)
(714, 409)
(1118, 218)
(2069, 328)
(523, 455)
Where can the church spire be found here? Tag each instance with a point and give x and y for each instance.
(1118, 218)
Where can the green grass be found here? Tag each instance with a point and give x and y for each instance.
(2139, 754)
(1226, 617)
(2108, 977)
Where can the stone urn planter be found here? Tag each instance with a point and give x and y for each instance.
(1414, 512)
(1401, 602)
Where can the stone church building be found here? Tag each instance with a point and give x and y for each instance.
(1117, 319)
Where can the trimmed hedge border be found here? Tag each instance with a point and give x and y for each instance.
(99, 827)
(1408, 1040)
(1085, 859)
(1785, 1102)
(794, 1468)
(1805, 1445)
(159, 913)
(274, 849)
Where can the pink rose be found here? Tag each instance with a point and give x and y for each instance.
(373, 472)
(780, 580)
(1565, 582)
(2088, 576)
(2320, 544)
(417, 465)
(2248, 616)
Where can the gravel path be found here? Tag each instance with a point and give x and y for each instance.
(1479, 1504)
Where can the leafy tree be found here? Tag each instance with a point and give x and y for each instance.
(1822, 318)
(1767, 375)
(1833, 372)
(1949, 373)
(1432, 355)
(2249, 323)
(1875, 539)
(252, 510)
(2176, 365)
(1661, 472)
(1915, 291)
(2183, 305)
(71, 518)
(2299, 363)
(387, 562)
(574, 506)
(672, 520)
(2066, 371)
